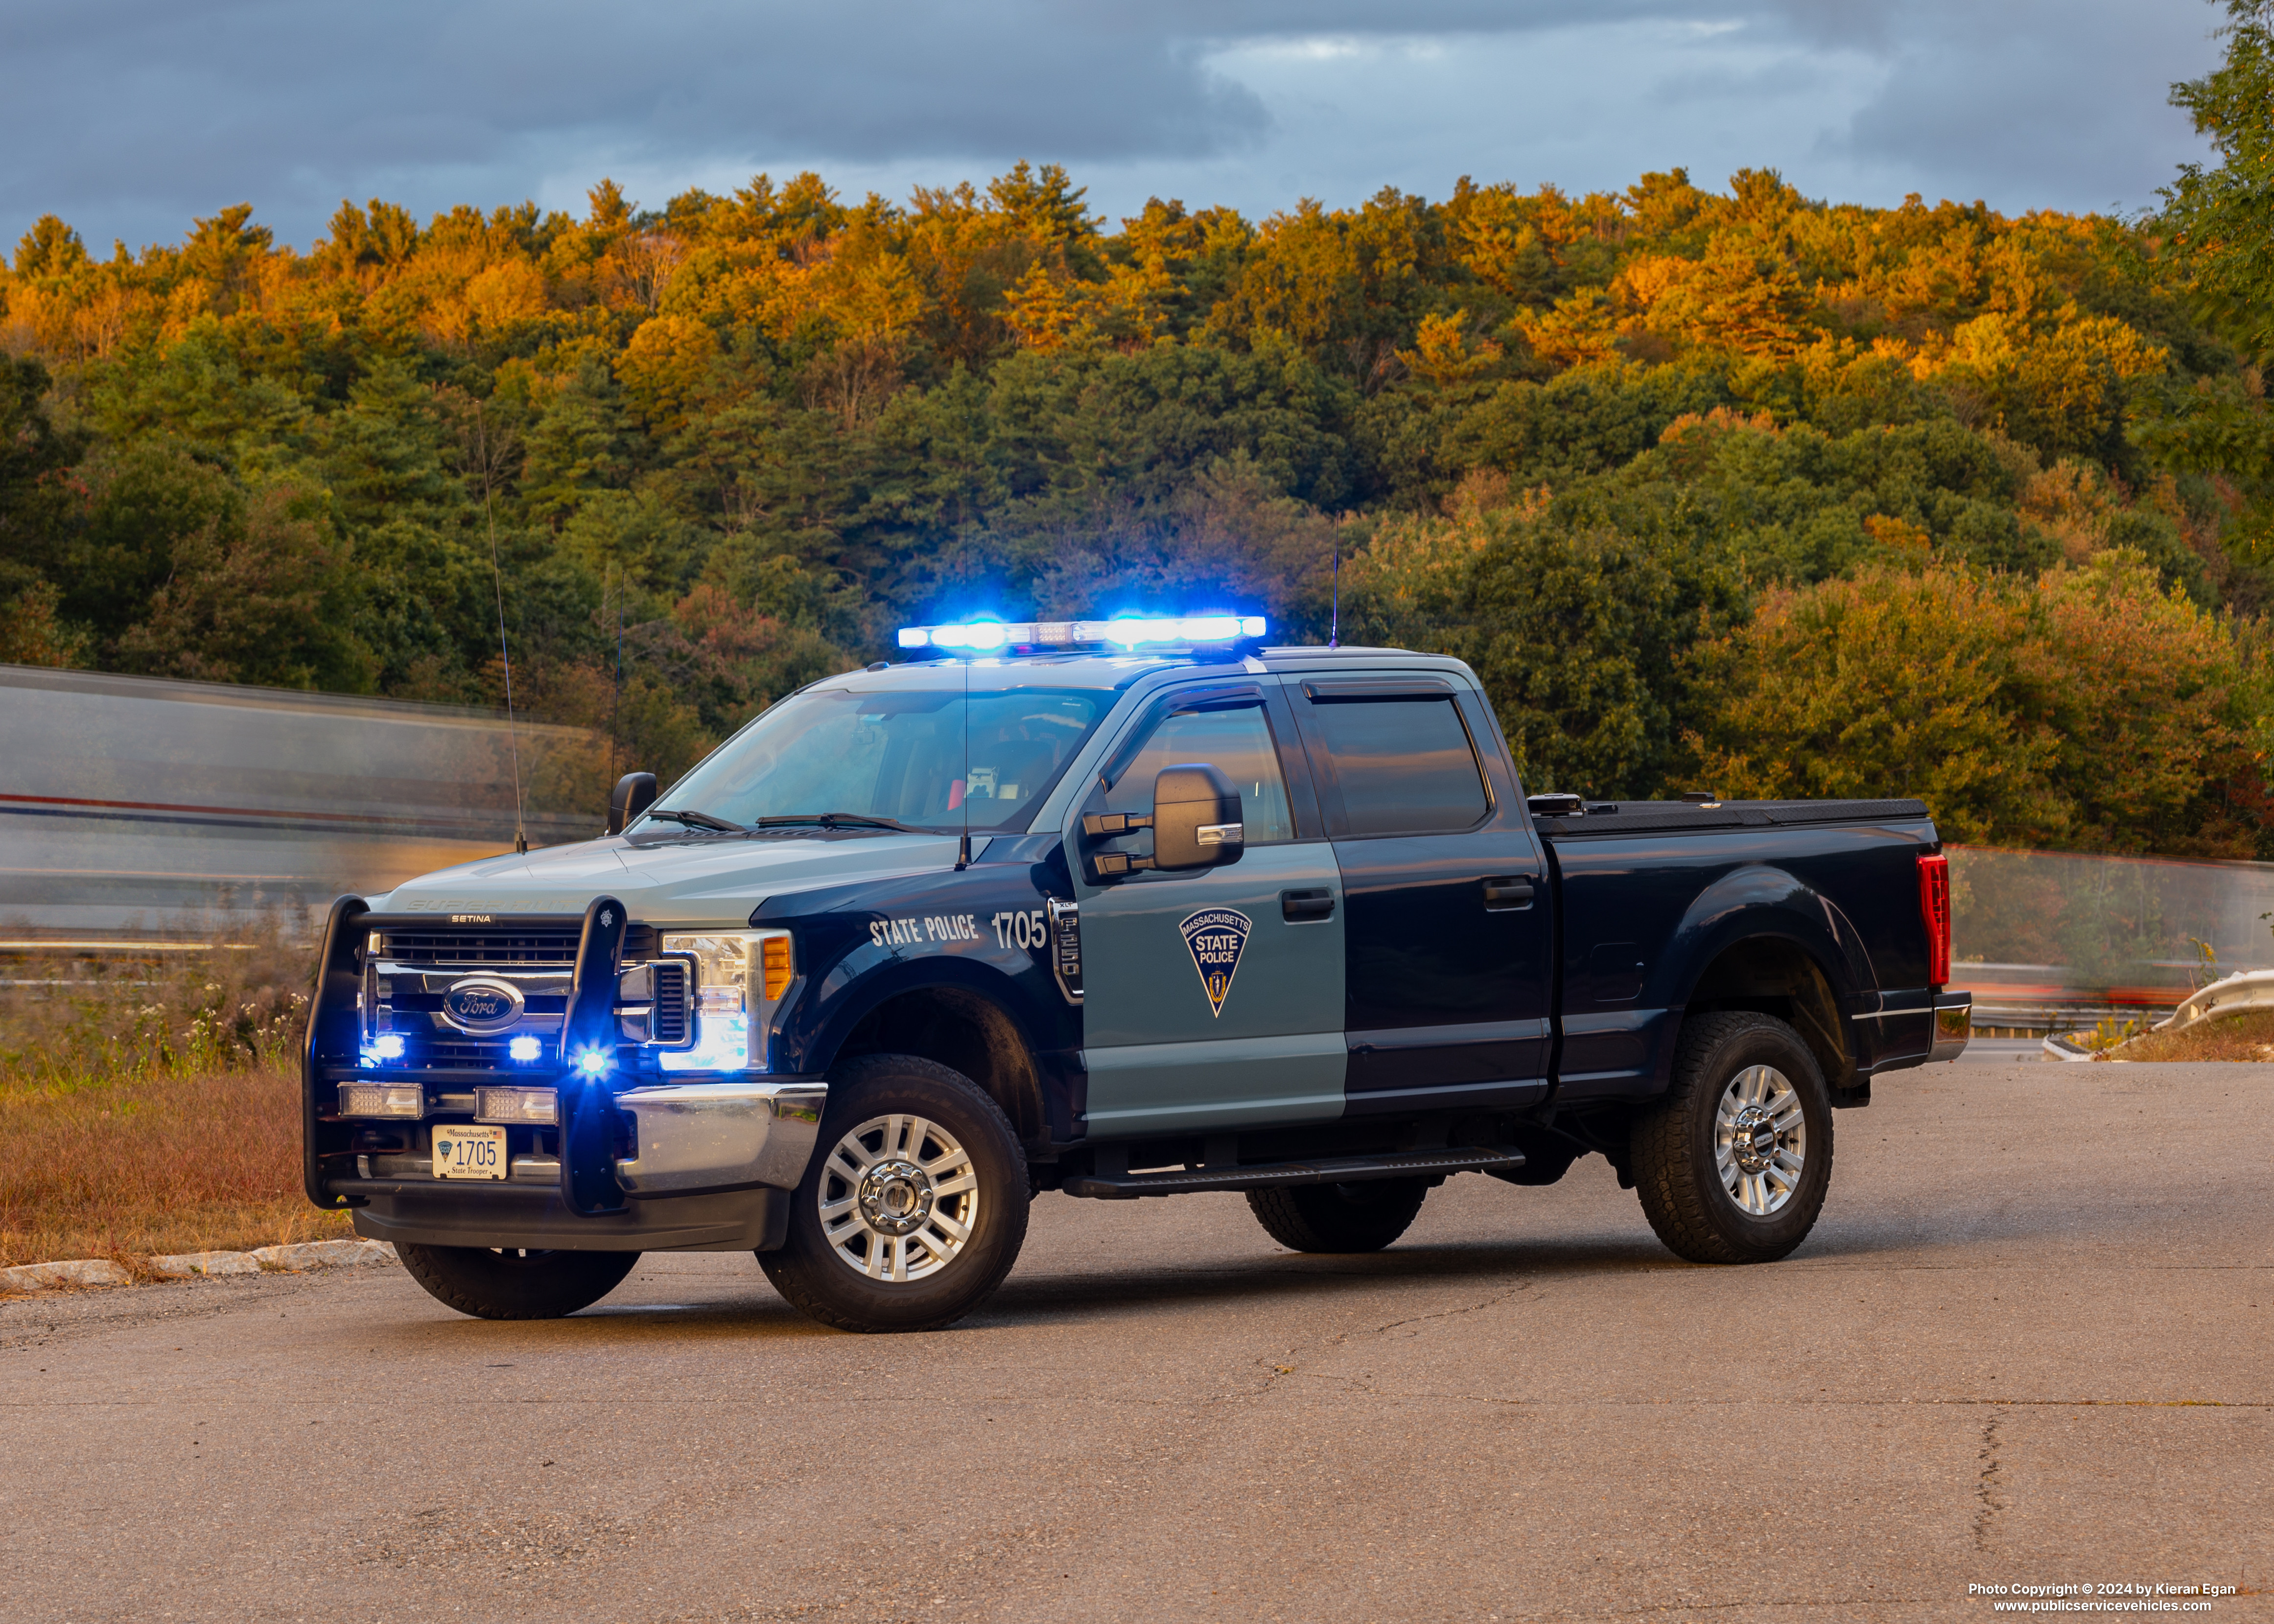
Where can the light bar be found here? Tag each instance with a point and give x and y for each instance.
(383, 1100)
(1129, 631)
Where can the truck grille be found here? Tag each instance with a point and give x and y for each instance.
(455, 947)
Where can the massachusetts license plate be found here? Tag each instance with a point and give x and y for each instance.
(463, 1151)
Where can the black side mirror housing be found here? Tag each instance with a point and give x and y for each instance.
(1196, 819)
(635, 793)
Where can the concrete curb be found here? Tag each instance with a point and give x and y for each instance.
(78, 1272)
(195, 1264)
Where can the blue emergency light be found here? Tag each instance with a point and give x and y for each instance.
(1126, 631)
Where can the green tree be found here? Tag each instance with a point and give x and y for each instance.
(2222, 218)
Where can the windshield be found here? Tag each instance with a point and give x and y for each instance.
(896, 755)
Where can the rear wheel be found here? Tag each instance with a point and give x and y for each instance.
(513, 1285)
(1733, 1165)
(916, 1207)
(1361, 1217)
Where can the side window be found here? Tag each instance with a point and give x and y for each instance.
(1239, 742)
(1405, 766)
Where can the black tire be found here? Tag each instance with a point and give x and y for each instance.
(823, 1277)
(1676, 1144)
(1362, 1217)
(513, 1284)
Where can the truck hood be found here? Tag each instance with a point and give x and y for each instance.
(694, 882)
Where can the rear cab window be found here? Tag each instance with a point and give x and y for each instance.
(1395, 757)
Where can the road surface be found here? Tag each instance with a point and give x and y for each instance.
(2029, 1344)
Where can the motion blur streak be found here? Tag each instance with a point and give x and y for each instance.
(131, 807)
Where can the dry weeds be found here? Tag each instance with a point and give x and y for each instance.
(2239, 1037)
(152, 1106)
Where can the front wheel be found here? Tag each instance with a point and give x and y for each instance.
(1732, 1165)
(515, 1284)
(916, 1207)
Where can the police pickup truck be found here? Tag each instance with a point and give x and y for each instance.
(1116, 909)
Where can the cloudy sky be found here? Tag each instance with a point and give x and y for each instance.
(128, 118)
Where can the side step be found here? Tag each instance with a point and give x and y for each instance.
(1318, 1170)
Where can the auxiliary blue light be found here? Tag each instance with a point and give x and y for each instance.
(387, 1046)
(524, 1048)
(1128, 630)
(593, 1062)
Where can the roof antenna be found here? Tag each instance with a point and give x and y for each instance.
(497, 579)
(963, 851)
(616, 694)
(1335, 621)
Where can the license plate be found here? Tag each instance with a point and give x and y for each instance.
(469, 1153)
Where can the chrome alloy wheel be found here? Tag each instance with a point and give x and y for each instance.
(1760, 1141)
(898, 1198)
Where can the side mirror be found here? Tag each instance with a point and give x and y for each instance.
(1196, 819)
(635, 793)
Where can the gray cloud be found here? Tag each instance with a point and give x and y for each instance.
(128, 117)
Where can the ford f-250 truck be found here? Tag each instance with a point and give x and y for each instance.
(1054, 907)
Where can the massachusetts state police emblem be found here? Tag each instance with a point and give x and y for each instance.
(1215, 937)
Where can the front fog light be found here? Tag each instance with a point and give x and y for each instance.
(383, 1100)
(523, 1105)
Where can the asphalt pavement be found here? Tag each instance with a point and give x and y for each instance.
(2028, 1344)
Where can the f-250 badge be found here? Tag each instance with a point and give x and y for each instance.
(1215, 937)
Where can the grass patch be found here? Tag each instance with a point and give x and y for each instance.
(184, 1161)
(2236, 1037)
(153, 1106)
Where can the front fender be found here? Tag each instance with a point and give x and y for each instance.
(837, 1012)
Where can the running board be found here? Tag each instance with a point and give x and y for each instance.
(1318, 1170)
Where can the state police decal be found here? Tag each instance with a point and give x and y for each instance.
(1215, 937)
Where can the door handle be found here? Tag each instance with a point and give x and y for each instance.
(1506, 895)
(1296, 906)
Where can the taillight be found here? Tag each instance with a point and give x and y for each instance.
(1934, 913)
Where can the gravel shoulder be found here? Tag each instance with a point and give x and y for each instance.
(2025, 1345)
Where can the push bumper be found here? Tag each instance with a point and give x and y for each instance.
(1954, 1024)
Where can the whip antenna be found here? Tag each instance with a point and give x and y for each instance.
(505, 653)
(1335, 614)
(616, 694)
(963, 851)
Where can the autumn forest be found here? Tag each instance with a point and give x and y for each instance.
(1720, 488)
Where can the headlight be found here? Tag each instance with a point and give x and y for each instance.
(740, 978)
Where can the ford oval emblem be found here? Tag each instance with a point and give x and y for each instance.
(482, 1005)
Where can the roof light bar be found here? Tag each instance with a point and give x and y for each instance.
(1129, 631)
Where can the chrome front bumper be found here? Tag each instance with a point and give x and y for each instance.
(1954, 1024)
(701, 1139)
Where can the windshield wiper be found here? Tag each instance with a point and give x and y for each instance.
(698, 820)
(836, 820)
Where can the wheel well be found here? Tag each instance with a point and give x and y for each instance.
(1771, 976)
(965, 1032)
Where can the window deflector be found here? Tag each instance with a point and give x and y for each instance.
(1220, 697)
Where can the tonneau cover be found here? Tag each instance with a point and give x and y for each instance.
(1653, 817)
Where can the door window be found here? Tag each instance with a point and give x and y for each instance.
(1238, 742)
(1405, 766)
